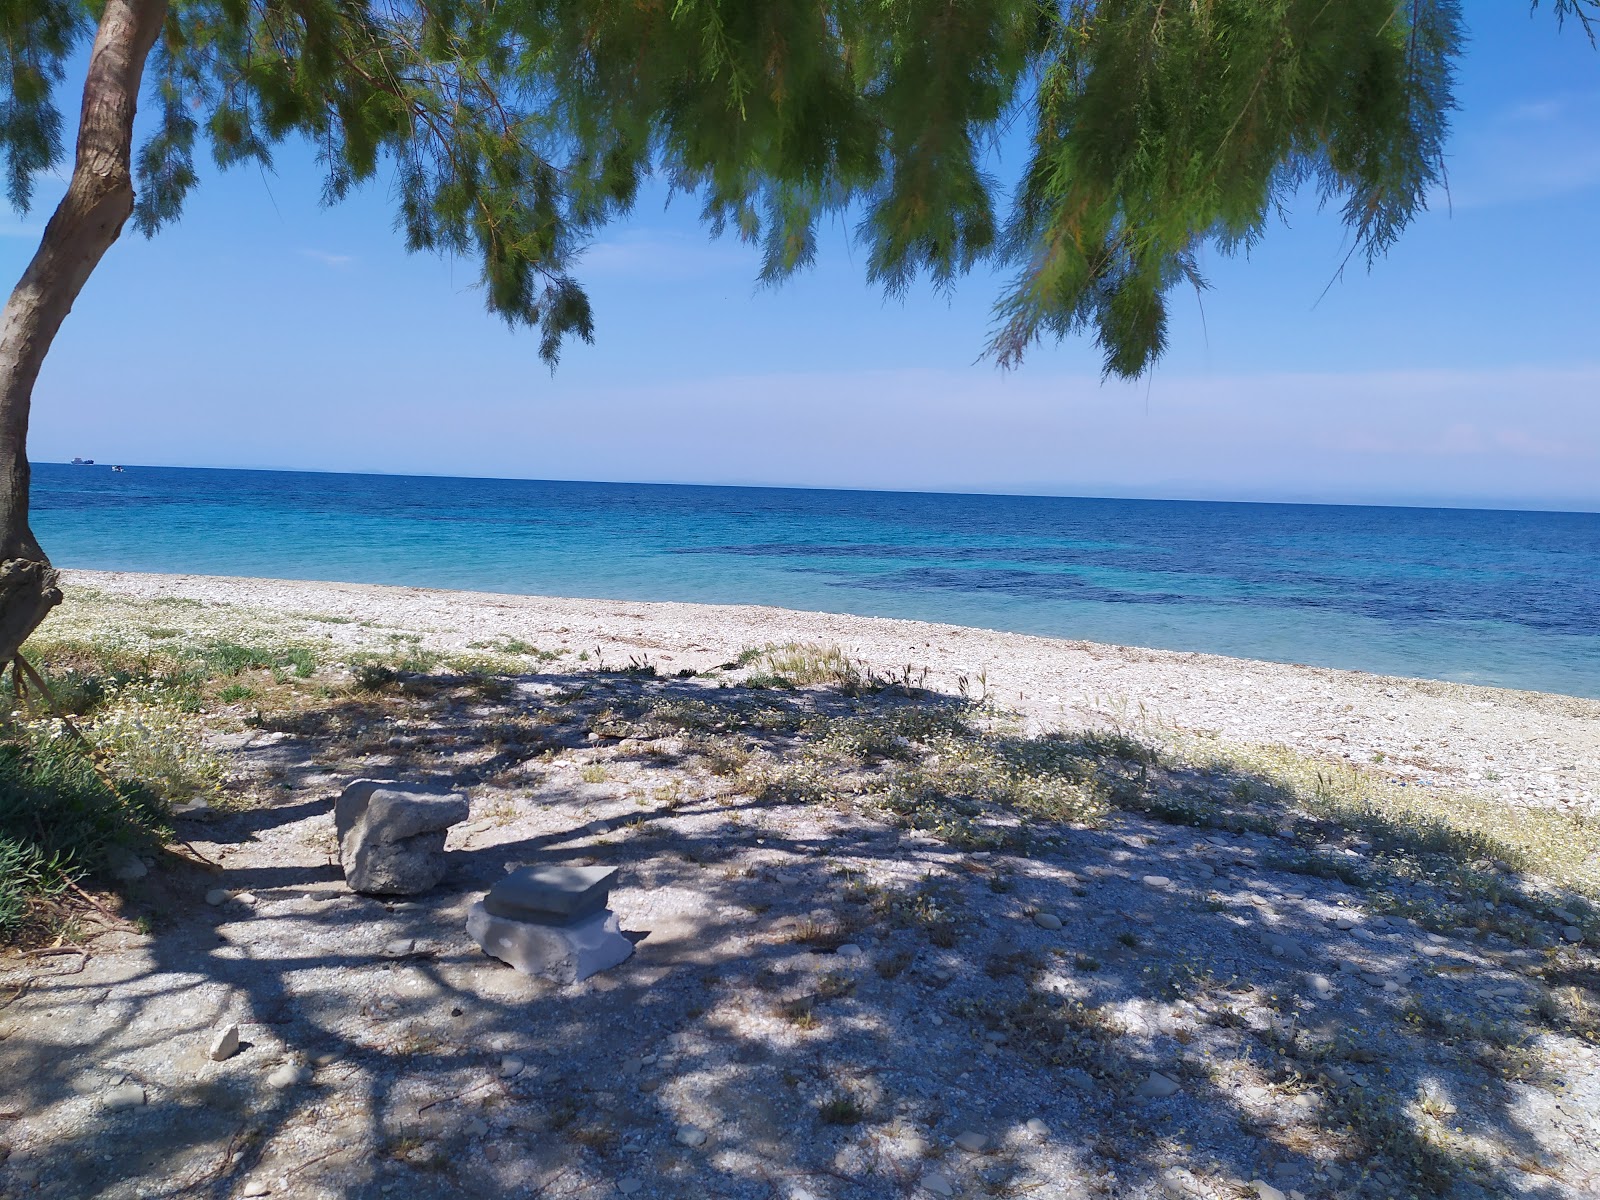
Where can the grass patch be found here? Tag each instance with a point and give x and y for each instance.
(58, 819)
(841, 1108)
(1428, 832)
(799, 664)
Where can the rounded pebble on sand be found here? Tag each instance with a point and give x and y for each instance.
(510, 1066)
(1159, 1086)
(850, 950)
(127, 1095)
(287, 1076)
(939, 1184)
(691, 1136)
(1046, 920)
(1157, 881)
(972, 1143)
(218, 896)
(1037, 1127)
(628, 1185)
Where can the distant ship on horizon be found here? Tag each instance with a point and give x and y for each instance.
(83, 462)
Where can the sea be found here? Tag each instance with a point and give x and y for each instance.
(1510, 599)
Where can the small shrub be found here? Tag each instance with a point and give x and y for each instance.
(372, 677)
(797, 664)
(891, 965)
(841, 1109)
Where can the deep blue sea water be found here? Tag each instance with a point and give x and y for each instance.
(1507, 598)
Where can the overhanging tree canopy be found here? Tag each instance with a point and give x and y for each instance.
(516, 128)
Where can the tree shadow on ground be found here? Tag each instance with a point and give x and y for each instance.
(1127, 977)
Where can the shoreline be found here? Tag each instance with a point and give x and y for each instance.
(1538, 749)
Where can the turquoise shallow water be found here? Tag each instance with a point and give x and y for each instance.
(1506, 598)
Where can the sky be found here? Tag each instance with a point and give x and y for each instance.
(266, 331)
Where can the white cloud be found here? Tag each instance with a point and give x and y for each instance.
(1536, 110)
(665, 255)
(1527, 436)
(1505, 436)
(336, 261)
(1533, 150)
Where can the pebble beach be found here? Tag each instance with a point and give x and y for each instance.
(1523, 748)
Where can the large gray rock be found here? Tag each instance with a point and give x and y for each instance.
(391, 836)
(564, 953)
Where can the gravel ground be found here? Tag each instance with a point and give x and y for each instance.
(822, 1003)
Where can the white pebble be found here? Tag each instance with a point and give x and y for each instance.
(1159, 1086)
(225, 1045)
(288, 1075)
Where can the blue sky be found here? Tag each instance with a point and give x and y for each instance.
(267, 331)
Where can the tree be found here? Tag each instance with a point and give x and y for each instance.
(517, 127)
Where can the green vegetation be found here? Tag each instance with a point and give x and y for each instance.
(59, 818)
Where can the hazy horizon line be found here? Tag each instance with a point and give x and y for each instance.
(1041, 492)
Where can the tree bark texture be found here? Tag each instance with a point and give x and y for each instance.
(99, 200)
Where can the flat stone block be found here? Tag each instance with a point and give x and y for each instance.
(563, 953)
(550, 894)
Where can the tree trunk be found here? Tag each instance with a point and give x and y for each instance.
(81, 230)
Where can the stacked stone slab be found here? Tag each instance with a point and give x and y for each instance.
(391, 835)
(551, 921)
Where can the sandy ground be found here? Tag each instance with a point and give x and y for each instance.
(1524, 747)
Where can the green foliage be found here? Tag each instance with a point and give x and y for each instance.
(57, 820)
(513, 130)
(35, 41)
(231, 658)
